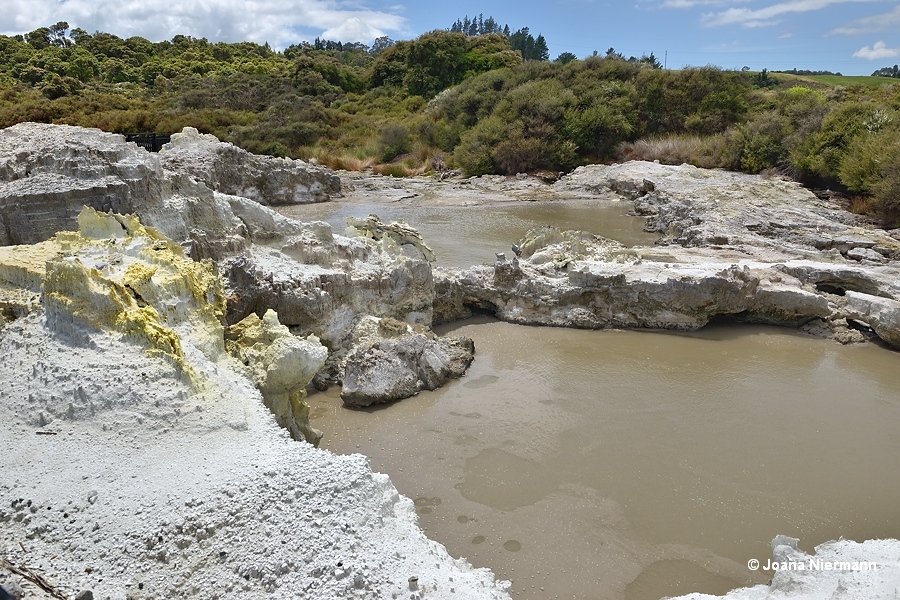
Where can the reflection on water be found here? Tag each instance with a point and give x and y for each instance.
(610, 464)
(466, 236)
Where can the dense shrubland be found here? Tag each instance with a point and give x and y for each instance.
(454, 99)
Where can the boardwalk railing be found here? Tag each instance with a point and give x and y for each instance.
(151, 142)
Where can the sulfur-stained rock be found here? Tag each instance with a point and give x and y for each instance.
(281, 365)
(118, 276)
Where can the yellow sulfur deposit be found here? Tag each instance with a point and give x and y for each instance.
(116, 275)
(280, 364)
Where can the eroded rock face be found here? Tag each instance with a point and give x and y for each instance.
(733, 245)
(232, 170)
(322, 283)
(580, 282)
(695, 207)
(48, 172)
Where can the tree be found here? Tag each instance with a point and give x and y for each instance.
(565, 57)
(381, 43)
(39, 38)
(57, 35)
(887, 72)
(531, 48)
(541, 52)
(651, 60)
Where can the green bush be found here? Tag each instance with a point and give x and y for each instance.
(821, 153)
(392, 142)
(872, 166)
(759, 141)
(474, 153)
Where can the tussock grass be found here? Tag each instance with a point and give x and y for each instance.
(861, 205)
(701, 151)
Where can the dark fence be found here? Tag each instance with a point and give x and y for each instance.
(151, 142)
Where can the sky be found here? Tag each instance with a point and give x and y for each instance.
(853, 37)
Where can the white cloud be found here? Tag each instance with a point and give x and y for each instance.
(766, 16)
(887, 22)
(878, 51)
(274, 21)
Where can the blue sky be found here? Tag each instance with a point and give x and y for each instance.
(854, 37)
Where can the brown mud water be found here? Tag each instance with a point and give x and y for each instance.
(628, 465)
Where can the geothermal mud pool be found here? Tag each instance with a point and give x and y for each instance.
(635, 465)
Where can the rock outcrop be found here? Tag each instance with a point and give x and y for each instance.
(695, 207)
(231, 170)
(733, 245)
(565, 284)
(392, 361)
(318, 282)
(48, 172)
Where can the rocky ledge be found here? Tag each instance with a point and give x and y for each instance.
(733, 246)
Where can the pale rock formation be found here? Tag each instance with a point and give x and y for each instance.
(733, 245)
(697, 207)
(48, 172)
(881, 314)
(392, 235)
(318, 282)
(159, 472)
(391, 361)
(585, 281)
(841, 569)
(281, 365)
(322, 283)
(231, 170)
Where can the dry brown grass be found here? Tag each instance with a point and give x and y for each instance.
(709, 152)
(860, 205)
(349, 163)
(396, 170)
